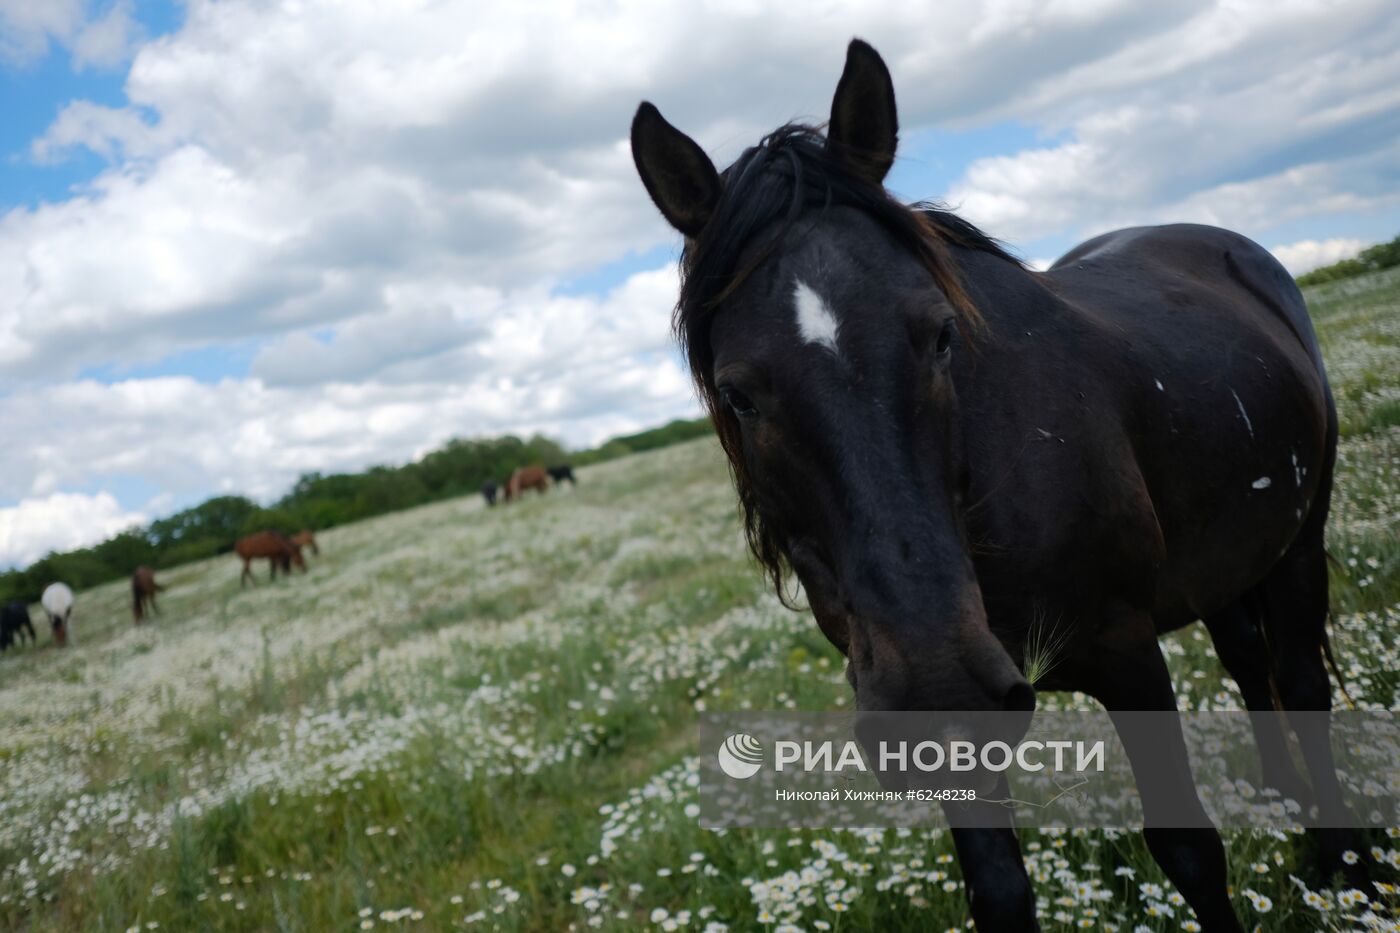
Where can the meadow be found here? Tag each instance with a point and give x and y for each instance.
(473, 718)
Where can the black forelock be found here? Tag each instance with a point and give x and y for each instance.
(768, 188)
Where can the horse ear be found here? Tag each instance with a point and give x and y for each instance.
(864, 128)
(680, 178)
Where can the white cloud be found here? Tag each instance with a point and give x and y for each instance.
(577, 368)
(109, 39)
(27, 27)
(59, 521)
(290, 169)
(244, 436)
(99, 35)
(284, 168)
(1205, 121)
(1307, 255)
(110, 132)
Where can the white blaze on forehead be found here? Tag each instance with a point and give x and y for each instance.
(815, 322)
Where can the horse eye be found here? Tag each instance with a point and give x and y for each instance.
(738, 402)
(945, 339)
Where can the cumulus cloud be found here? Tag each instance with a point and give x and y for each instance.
(247, 437)
(1307, 255)
(362, 149)
(1203, 120)
(59, 521)
(577, 368)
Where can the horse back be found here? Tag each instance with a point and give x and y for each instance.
(528, 477)
(261, 544)
(1165, 412)
(1177, 258)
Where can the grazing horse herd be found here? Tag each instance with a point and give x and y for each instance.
(534, 477)
(282, 553)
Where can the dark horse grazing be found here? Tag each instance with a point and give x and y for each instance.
(526, 477)
(945, 447)
(488, 492)
(279, 550)
(14, 622)
(562, 472)
(143, 592)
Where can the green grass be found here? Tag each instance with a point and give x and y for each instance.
(464, 717)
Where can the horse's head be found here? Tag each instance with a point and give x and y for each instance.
(821, 318)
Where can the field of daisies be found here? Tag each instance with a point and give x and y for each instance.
(486, 719)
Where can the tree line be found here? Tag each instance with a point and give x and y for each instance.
(1371, 259)
(318, 501)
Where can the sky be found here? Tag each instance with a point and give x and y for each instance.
(246, 239)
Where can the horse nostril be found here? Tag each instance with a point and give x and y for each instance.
(1019, 699)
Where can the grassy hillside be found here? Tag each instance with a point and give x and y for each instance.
(464, 717)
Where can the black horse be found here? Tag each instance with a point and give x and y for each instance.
(14, 622)
(946, 447)
(562, 472)
(488, 492)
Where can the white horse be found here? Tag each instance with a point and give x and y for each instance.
(58, 603)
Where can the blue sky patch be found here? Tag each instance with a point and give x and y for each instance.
(33, 95)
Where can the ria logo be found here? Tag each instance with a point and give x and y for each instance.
(741, 756)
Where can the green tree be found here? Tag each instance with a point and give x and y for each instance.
(1370, 259)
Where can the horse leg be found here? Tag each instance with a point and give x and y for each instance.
(33, 637)
(247, 573)
(1133, 676)
(1295, 620)
(999, 892)
(1242, 650)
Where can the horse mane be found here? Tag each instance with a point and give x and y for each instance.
(775, 183)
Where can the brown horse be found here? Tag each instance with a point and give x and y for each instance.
(276, 547)
(143, 592)
(306, 538)
(527, 477)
